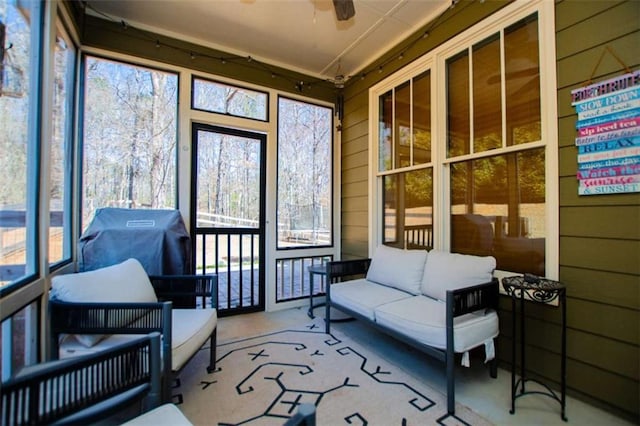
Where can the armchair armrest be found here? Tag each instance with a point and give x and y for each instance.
(344, 268)
(111, 318)
(469, 299)
(49, 393)
(184, 290)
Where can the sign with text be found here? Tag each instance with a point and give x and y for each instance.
(608, 135)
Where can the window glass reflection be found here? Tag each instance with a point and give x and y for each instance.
(498, 209)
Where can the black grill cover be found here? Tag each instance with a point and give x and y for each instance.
(157, 238)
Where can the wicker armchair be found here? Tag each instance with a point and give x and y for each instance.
(87, 388)
(98, 321)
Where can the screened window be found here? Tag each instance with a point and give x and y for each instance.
(61, 152)
(305, 207)
(18, 130)
(221, 98)
(129, 147)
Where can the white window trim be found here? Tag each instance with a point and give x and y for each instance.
(549, 115)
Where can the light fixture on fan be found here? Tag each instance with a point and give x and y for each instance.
(339, 79)
(344, 9)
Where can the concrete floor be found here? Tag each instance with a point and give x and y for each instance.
(488, 397)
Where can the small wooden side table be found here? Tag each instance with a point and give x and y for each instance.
(539, 290)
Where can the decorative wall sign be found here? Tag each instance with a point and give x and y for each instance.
(608, 135)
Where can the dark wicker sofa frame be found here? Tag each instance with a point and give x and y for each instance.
(459, 302)
(86, 388)
(108, 318)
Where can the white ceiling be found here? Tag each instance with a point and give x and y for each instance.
(301, 35)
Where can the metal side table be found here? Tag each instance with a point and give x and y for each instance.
(539, 290)
(320, 270)
(315, 270)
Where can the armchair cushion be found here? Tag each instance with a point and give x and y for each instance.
(401, 269)
(123, 282)
(449, 271)
(190, 330)
(166, 414)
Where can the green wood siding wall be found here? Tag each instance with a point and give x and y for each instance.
(599, 235)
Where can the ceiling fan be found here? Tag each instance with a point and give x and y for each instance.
(344, 9)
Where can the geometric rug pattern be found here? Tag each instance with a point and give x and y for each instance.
(262, 380)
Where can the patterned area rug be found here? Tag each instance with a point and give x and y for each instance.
(263, 379)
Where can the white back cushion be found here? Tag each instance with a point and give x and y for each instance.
(123, 282)
(401, 269)
(449, 271)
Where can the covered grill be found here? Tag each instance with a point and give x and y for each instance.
(157, 238)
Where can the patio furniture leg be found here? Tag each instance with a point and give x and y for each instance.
(212, 352)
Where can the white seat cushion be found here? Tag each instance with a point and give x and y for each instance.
(401, 269)
(424, 320)
(363, 296)
(449, 271)
(167, 414)
(190, 330)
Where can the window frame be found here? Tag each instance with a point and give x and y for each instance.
(436, 60)
(69, 150)
(24, 299)
(34, 173)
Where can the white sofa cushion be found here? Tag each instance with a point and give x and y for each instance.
(424, 319)
(190, 329)
(449, 271)
(363, 296)
(401, 269)
(123, 282)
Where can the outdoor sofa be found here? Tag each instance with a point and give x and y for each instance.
(441, 303)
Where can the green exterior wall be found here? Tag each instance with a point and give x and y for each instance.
(599, 235)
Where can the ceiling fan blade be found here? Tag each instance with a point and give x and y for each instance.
(344, 9)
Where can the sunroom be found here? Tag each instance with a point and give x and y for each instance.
(460, 135)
